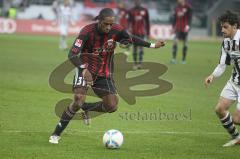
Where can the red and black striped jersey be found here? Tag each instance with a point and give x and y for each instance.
(139, 21)
(95, 48)
(182, 17)
(123, 17)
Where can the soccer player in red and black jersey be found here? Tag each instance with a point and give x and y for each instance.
(123, 15)
(139, 26)
(92, 54)
(181, 25)
(123, 19)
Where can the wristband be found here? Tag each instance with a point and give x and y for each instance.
(152, 45)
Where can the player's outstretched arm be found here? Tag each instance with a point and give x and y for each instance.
(125, 38)
(140, 42)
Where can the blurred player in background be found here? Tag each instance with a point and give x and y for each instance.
(123, 18)
(230, 54)
(92, 54)
(55, 6)
(64, 18)
(123, 15)
(139, 26)
(181, 23)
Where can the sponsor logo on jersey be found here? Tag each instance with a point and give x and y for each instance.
(78, 43)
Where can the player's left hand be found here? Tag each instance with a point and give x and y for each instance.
(208, 80)
(160, 43)
(88, 77)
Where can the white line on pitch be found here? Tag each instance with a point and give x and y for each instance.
(125, 132)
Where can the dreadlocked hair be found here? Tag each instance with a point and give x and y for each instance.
(106, 12)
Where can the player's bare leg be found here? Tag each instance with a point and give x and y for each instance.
(236, 116)
(227, 121)
(110, 103)
(68, 114)
(107, 105)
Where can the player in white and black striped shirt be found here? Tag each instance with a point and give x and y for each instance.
(64, 16)
(230, 55)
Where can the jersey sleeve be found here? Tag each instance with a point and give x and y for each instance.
(77, 47)
(124, 37)
(224, 57)
(224, 60)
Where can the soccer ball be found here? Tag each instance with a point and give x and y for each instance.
(112, 139)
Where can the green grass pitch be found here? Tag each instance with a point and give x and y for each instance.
(27, 115)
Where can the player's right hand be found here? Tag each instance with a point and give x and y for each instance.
(208, 80)
(186, 29)
(88, 77)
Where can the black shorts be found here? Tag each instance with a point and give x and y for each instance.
(181, 35)
(102, 86)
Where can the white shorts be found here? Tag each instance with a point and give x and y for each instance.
(231, 91)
